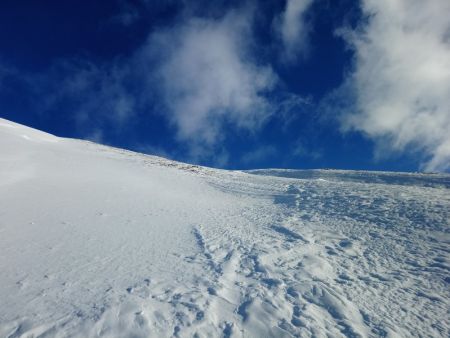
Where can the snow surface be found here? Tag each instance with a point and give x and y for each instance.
(102, 242)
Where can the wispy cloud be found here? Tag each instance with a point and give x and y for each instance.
(261, 153)
(203, 71)
(401, 77)
(293, 30)
(128, 14)
(302, 150)
(209, 77)
(91, 92)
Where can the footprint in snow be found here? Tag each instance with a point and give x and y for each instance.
(141, 289)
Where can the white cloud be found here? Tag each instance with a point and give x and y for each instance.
(293, 29)
(208, 77)
(203, 73)
(401, 79)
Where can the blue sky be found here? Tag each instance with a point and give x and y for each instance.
(237, 84)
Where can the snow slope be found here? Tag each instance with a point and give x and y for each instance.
(102, 242)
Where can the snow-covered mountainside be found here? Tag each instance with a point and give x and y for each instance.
(102, 242)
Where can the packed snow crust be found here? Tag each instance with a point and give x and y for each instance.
(102, 242)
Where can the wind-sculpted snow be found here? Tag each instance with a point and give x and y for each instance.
(417, 179)
(101, 242)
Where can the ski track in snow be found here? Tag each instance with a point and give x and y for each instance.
(102, 242)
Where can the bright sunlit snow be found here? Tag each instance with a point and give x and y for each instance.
(102, 242)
